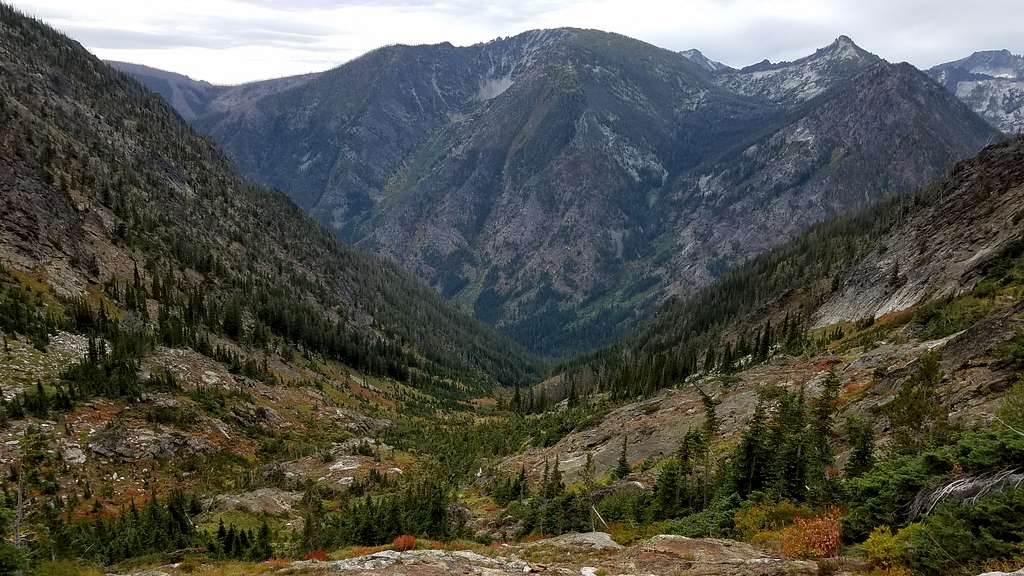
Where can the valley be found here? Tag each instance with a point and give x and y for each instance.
(563, 302)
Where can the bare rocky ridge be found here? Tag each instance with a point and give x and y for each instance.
(195, 98)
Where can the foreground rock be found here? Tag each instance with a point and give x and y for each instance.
(575, 554)
(419, 562)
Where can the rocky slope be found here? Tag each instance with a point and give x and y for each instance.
(562, 183)
(103, 183)
(991, 83)
(939, 272)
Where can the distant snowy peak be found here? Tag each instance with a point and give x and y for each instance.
(703, 61)
(793, 82)
(991, 83)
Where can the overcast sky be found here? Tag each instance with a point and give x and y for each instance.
(232, 41)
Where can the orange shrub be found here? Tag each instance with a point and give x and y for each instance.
(817, 537)
(316, 555)
(404, 542)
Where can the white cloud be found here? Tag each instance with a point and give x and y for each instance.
(229, 41)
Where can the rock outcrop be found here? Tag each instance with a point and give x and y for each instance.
(574, 554)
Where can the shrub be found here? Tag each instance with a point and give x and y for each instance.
(404, 542)
(818, 537)
(320, 555)
(754, 519)
(887, 550)
(715, 521)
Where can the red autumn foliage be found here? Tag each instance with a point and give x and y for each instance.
(320, 555)
(818, 537)
(404, 542)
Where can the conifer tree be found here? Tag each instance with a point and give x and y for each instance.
(587, 474)
(622, 468)
(667, 490)
(861, 435)
(919, 421)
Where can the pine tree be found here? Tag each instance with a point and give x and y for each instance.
(667, 490)
(263, 548)
(919, 421)
(752, 458)
(622, 468)
(588, 473)
(822, 457)
(554, 487)
(862, 438)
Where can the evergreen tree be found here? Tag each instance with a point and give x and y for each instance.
(753, 456)
(862, 438)
(918, 420)
(587, 475)
(667, 490)
(822, 458)
(622, 468)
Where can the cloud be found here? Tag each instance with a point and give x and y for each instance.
(229, 41)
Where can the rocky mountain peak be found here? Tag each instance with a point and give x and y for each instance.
(698, 58)
(842, 48)
(797, 81)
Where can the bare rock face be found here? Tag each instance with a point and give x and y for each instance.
(132, 444)
(938, 252)
(991, 83)
(419, 562)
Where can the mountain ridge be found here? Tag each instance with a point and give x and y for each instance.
(421, 154)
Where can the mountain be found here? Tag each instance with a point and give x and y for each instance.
(184, 350)
(803, 79)
(196, 98)
(560, 184)
(991, 83)
(196, 374)
(703, 61)
(189, 97)
(103, 184)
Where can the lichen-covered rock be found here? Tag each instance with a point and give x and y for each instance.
(587, 540)
(124, 444)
